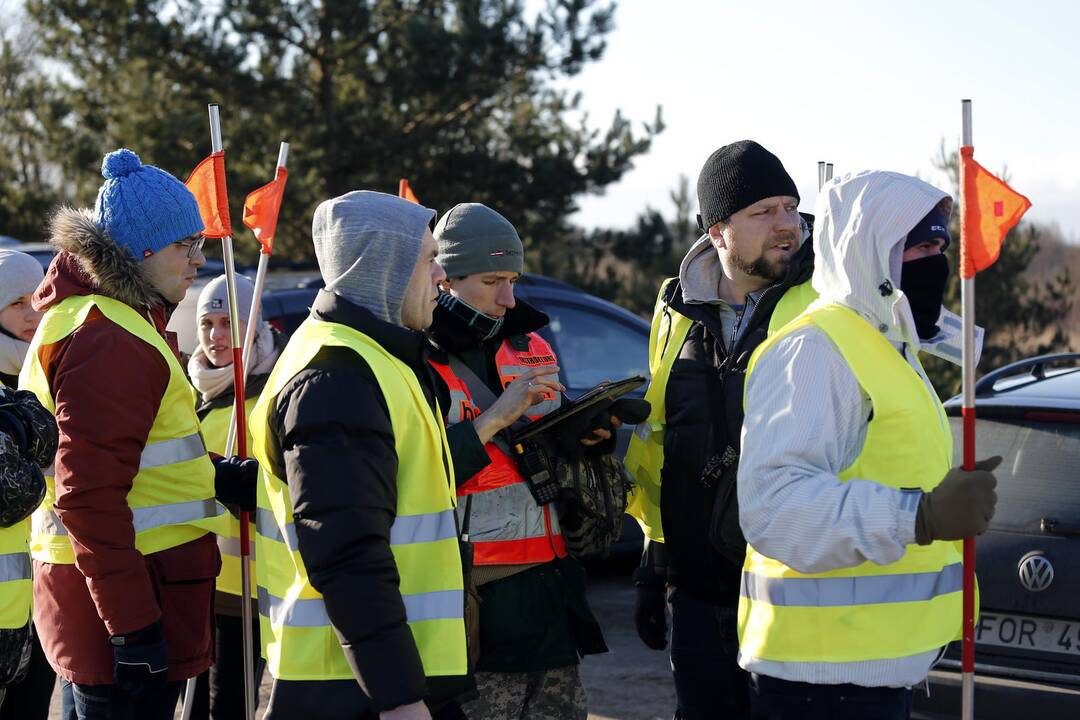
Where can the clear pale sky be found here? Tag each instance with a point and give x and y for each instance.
(861, 84)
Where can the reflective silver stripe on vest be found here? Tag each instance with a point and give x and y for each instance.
(47, 523)
(311, 612)
(155, 516)
(266, 525)
(231, 546)
(505, 513)
(847, 591)
(170, 452)
(429, 527)
(143, 518)
(14, 566)
(436, 605)
(166, 452)
(458, 400)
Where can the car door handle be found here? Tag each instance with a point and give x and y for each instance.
(1051, 526)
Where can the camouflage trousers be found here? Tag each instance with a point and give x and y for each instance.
(544, 695)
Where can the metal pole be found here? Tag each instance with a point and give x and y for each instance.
(820, 174)
(253, 314)
(967, 296)
(828, 172)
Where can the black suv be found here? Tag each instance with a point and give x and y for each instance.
(1028, 563)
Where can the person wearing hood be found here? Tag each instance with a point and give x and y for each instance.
(20, 275)
(361, 592)
(220, 691)
(849, 501)
(123, 545)
(533, 621)
(746, 276)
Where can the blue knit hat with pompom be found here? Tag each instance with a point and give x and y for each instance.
(143, 208)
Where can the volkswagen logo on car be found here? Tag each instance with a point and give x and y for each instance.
(1036, 572)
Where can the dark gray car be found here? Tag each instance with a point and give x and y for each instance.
(1028, 563)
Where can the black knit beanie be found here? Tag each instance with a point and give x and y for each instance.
(737, 176)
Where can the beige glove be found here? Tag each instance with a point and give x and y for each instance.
(961, 506)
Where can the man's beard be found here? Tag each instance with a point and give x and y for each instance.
(772, 270)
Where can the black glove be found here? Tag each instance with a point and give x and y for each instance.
(140, 660)
(31, 426)
(22, 486)
(631, 411)
(961, 506)
(650, 609)
(235, 480)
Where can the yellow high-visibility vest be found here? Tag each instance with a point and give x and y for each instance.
(645, 454)
(299, 642)
(15, 589)
(867, 612)
(172, 494)
(215, 428)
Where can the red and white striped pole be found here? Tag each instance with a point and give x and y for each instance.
(967, 295)
(241, 432)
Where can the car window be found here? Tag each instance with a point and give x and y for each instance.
(594, 346)
(1037, 477)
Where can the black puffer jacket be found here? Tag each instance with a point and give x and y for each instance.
(344, 491)
(694, 404)
(27, 444)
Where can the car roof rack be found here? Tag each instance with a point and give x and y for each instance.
(1036, 367)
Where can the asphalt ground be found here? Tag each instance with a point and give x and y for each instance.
(631, 682)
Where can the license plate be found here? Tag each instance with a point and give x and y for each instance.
(1028, 633)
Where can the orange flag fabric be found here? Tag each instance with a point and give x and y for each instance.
(991, 209)
(207, 184)
(404, 191)
(261, 210)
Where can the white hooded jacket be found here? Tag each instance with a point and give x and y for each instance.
(806, 415)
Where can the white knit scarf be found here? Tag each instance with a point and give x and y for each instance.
(212, 381)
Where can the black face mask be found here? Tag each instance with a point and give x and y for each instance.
(923, 281)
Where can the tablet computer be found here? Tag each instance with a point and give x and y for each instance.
(607, 390)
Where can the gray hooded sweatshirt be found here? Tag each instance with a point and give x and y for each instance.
(807, 417)
(367, 244)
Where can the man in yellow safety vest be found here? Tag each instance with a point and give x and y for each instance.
(848, 496)
(360, 587)
(123, 544)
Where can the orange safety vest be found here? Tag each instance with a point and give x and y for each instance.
(505, 524)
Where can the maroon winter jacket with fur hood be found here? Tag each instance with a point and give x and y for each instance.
(108, 385)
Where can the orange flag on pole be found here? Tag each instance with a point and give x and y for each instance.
(261, 209)
(991, 209)
(207, 184)
(404, 191)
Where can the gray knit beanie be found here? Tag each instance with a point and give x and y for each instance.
(367, 244)
(473, 238)
(20, 274)
(214, 298)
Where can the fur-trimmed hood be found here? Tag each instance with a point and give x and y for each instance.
(89, 262)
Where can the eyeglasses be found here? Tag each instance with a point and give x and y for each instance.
(193, 246)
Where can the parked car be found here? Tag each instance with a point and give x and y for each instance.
(1028, 563)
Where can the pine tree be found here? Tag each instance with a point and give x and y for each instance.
(459, 96)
